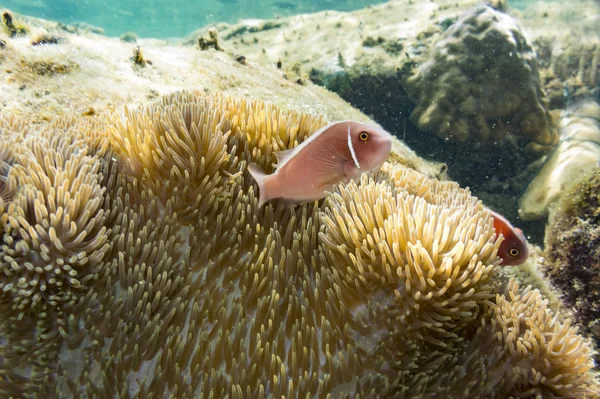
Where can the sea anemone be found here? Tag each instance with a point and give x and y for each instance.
(540, 352)
(163, 278)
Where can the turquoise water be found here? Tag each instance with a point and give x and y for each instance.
(176, 18)
(170, 18)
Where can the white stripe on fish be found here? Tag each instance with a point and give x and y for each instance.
(351, 148)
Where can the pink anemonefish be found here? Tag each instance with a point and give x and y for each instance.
(513, 249)
(338, 152)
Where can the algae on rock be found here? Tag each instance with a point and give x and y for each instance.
(573, 250)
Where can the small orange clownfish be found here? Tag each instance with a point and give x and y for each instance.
(513, 251)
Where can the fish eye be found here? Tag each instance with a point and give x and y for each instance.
(514, 252)
(363, 136)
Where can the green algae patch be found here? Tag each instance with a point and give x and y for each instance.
(49, 67)
(268, 25)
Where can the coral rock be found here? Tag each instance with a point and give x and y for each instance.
(573, 250)
(578, 152)
(481, 83)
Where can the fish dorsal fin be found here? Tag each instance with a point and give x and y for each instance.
(283, 156)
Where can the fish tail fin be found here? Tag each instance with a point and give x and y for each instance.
(261, 179)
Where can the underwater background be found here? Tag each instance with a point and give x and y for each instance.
(168, 19)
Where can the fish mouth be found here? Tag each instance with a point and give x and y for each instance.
(384, 145)
(387, 141)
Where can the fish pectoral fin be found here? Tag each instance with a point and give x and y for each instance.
(331, 182)
(351, 171)
(290, 203)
